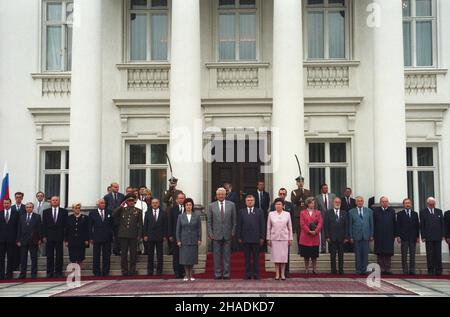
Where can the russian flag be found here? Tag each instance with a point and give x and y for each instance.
(4, 194)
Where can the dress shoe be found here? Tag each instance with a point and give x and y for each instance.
(226, 277)
(218, 277)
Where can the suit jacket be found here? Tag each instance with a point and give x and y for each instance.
(447, 224)
(298, 198)
(100, 231)
(155, 230)
(172, 221)
(432, 226)
(29, 233)
(336, 229)
(233, 197)
(8, 231)
(129, 222)
(305, 220)
(320, 204)
(345, 206)
(360, 229)
(189, 233)
(408, 228)
(251, 228)
(40, 210)
(54, 231)
(112, 204)
(22, 210)
(77, 230)
(279, 227)
(222, 229)
(264, 204)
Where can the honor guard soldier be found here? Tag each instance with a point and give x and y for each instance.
(130, 223)
(298, 198)
(171, 194)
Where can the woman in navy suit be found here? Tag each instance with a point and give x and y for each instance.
(77, 234)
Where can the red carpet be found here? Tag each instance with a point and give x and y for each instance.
(237, 265)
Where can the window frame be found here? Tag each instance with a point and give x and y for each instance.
(434, 27)
(415, 169)
(236, 11)
(127, 32)
(63, 24)
(63, 172)
(148, 166)
(327, 165)
(326, 7)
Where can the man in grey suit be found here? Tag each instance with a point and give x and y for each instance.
(221, 230)
(324, 203)
(361, 231)
(39, 208)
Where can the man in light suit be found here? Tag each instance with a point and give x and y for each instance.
(39, 208)
(324, 203)
(361, 230)
(251, 230)
(113, 200)
(221, 230)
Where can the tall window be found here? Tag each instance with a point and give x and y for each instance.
(147, 166)
(327, 29)
(148, 30)
(237, 24)
(419, 28)
(329, 163)
(422, 174)
(57, 35)
(55, 174)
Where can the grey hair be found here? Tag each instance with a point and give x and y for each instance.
(29, 203)
(221, 189)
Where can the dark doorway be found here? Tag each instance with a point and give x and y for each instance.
(242, 171)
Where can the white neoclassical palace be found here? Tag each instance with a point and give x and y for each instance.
(95, 91)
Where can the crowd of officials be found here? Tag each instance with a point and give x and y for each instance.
(135, 222)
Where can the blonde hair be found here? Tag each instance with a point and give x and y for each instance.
(75, 205)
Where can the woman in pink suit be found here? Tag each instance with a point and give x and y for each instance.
(311, 223)
(279, 237)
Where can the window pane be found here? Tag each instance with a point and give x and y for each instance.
(424, 49)
(138, 154)
(317, 152)
(315, 2)
(138, 4)
(410, 186)
(409, 156)
(54, 48)
(247, 3)
(159, 37)
(54, 12)
(159, 3)
(138, 37)
(137, 178)
(227, 37)
(336, 34)
(426, 187)
(52, 186)
(337, 2)
(315, 35)
(247, 45)
(52, 160)
(406, 8)
(425, 156)
(338, 152)
(423, 8)
(158, 185)
(407, 51)
(69, 32)
(159, 154)
(227, 3)
(316, 178)
(67, 159)
(338, 180)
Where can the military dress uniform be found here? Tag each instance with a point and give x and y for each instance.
(130, 224)
(298, 198)
(76, 235)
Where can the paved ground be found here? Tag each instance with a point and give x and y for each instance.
(418, 287)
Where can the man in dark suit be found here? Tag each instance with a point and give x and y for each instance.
(113, 201)
(347, 201)
(155, 232)
(100, 234)
(324, 202)
(251, 233)
(231, 195)
(28, 239)
(432, 232)
(53, 225)
(447, 228)
(177, 210)
(336, 233)
(9, 220)
(18, 206)
(408, 236)
(262, 198)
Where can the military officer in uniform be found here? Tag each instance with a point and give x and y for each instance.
(171, 194)
(298, 198)
(130, 223)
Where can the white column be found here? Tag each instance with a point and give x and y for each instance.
(86, 103)
(186, 118)
(288, 136)
(389, 104)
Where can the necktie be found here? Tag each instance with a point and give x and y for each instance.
(360, 213)
(103, 215)
(432, 211)
(222, 212)
(409, 214)
(28, 219)
(54, 215)
(260, 199)
(337, 214)
(348, 201)
(7, 216)
(154, 214)
(325, 201)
